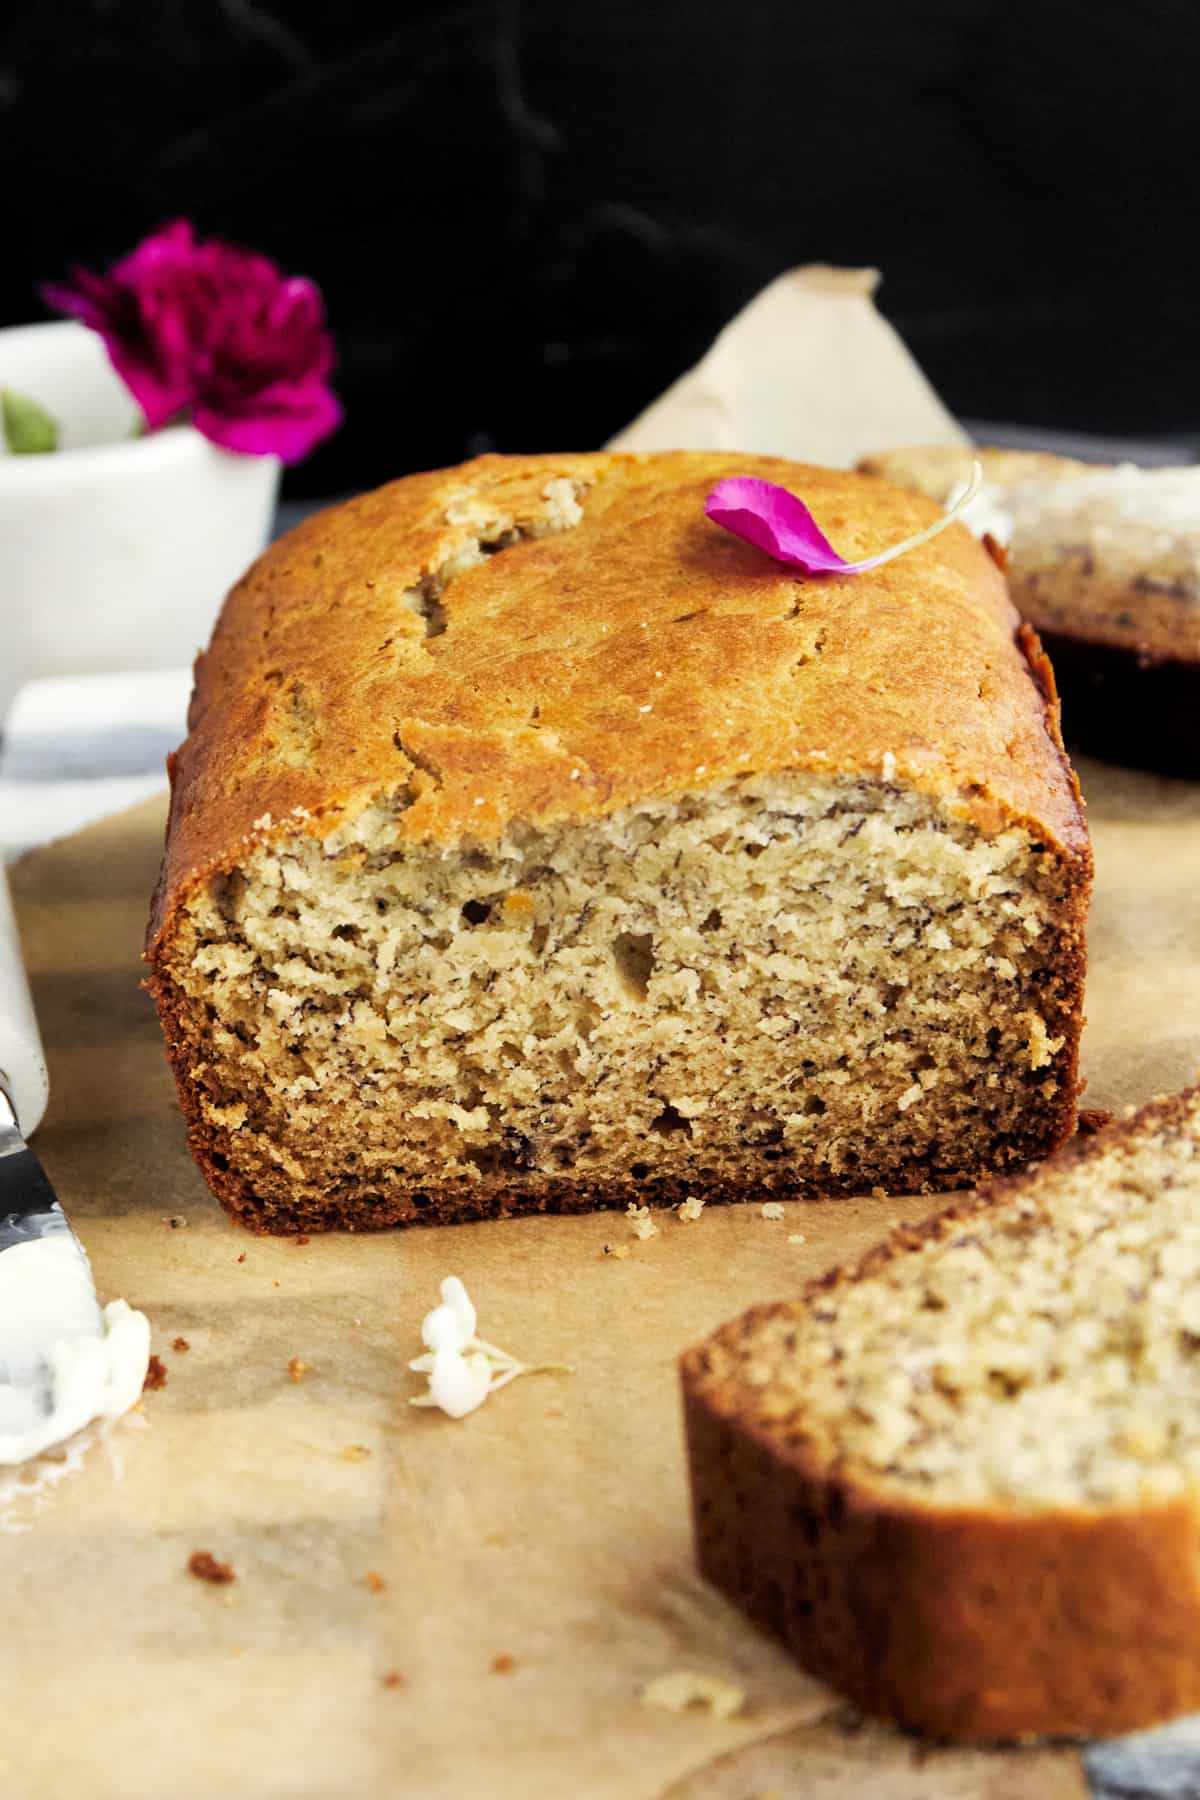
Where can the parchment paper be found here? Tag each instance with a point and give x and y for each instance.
(550, 1528)
(809, 369)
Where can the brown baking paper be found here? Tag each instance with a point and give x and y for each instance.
(551, 1527)
(535, 1556)
(808, 369)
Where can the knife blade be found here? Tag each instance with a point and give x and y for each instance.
(64, 1361)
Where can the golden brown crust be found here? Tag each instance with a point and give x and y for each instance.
(969, 1623)
(643, 652)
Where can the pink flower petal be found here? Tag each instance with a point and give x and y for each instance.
(162, 395)
(773, 520)
(275, 423)
(162, 387)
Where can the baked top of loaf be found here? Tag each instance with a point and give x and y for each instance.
(1109, 555)
(1035, 1349)
(542, 639)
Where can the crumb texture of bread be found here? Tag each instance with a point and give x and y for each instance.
(537, 845)
(962, 1479)
(792, 983)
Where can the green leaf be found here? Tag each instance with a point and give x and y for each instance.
(28, 428)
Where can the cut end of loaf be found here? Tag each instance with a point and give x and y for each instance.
(785, 984)
(959, 1480)
(1038, 1350)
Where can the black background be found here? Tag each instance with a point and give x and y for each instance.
(528, 215)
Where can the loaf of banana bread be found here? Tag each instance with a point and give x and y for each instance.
(962, 1480)
(536, 845)
(1105, 564)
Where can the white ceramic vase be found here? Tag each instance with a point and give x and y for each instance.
(115, 551)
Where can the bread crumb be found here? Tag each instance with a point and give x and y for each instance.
(352, 1452)
(690, 1207)
(1093, 1119)
(242, 1257)
(392, 1679)
(180, 1345)
(619, 1251)
(205, 1567)
(772, 1210)
(797, 1237)
(503, 1664)
(156, 1375)
(878, 1193)
(374, 1582)
(301, 1239)
(298, 1368)
(177, 1222)
(687, 1687)
(640, 1222)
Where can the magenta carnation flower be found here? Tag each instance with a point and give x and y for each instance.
(216, 330)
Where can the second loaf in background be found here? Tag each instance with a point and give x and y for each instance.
(538, 846)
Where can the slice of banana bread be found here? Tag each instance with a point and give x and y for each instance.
(1105, 564)
(961, 1481)
(538, 845)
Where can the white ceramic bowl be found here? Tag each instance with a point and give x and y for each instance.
(115, 551)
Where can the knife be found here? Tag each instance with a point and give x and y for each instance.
(63, 1361)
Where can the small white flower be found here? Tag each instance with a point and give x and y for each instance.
(461, 1368)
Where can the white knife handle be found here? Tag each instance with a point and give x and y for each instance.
(22, 1065)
